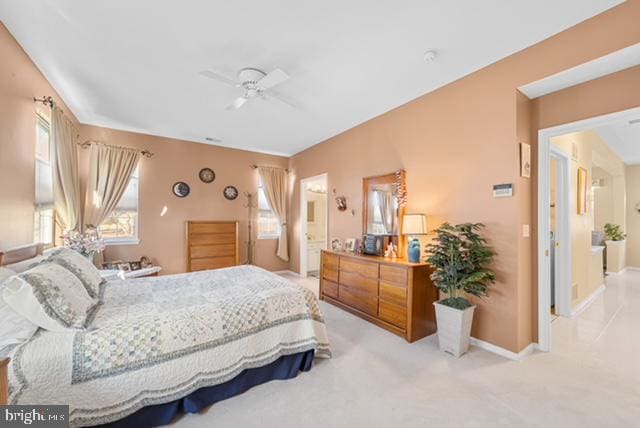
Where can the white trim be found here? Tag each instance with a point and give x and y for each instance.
(588, 301)
(280, 272)
(563, 251)
(631, 268)
(121, 241)
(303, 220)
(544, 142)
(515, 356)
(611, 63)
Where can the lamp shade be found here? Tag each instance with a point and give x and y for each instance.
(414, 224)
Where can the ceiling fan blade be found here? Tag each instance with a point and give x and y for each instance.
(237, 103)
(272, 79)
(218, 77)
(283, 99)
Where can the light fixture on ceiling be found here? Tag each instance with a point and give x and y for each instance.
(213, 140)
(430, 55)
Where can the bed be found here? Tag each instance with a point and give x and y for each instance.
(159, 346)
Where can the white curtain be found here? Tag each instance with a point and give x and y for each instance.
(64, 166)
(274, 183)
(110, 171)
(384, 204)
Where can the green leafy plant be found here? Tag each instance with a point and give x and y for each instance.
(614, 232)
(460, 258)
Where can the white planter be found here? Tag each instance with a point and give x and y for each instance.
(616, 256)
(454, 328)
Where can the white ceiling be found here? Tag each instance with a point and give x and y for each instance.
(624, 139)
(134, 65)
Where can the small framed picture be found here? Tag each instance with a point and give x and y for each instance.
(350, 245)
(124, 266)
(336, 244)
(145, 262)
(109, 266)
(135, 265)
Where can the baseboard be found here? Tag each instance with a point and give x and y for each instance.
(290, 272)
(621, 271)
(515, 356)
(588, 301)
(632, 268)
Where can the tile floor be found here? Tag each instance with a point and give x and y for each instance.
(375, 379)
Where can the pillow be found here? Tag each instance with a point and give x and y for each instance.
(49, 296)
(14, 328)
(25, 264)
(81, 267)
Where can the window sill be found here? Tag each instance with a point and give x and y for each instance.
(121, 241)
(268, 237)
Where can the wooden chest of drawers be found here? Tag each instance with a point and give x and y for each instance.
(393, 294)
(211, 245)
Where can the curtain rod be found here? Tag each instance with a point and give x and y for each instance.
(254, 166)
(87, 144)
(47, 100)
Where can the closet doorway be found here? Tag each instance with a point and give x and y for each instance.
(314, 216)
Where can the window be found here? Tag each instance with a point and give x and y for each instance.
(268, 226)
(121, 227)
(43, 218)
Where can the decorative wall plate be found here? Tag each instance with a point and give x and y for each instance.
(207, 175)
(181, 189)
(230, 192)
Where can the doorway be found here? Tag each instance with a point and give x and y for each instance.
(314, 216)
(569, 298)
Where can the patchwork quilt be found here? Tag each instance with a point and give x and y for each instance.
(155, 340)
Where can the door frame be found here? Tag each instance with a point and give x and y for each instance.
(564, 255)
(303, 220)
(544, 149)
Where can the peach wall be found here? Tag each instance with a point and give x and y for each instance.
(162, 237)
(20, 80)
(459, 140)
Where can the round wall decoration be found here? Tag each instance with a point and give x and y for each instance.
(181, 189)
(207, 175)
(230, 192)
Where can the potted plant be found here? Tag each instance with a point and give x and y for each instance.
(460, 258)
(616, 247)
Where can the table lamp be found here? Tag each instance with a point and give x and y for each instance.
(413, 225)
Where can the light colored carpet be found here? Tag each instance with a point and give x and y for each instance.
(376, 379)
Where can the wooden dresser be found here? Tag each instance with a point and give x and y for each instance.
(393, 294)
(212, 245)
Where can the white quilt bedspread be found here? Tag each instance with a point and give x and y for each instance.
(155, 340)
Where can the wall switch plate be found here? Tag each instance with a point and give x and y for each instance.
(526, 231)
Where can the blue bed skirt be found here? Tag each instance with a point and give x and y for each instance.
(285, 367)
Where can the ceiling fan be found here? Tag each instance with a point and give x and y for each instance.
(255, 84)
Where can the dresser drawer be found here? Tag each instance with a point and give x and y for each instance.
(393, 314)
(200, 228)
(367, 269)
(330, 274)
(393, 293)
(330, 261)
(330, 289)
(395, 274)
(201, 251)
(364, 302)
(359, 282)
(212, 263)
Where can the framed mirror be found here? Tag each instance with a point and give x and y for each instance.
(381, 208)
